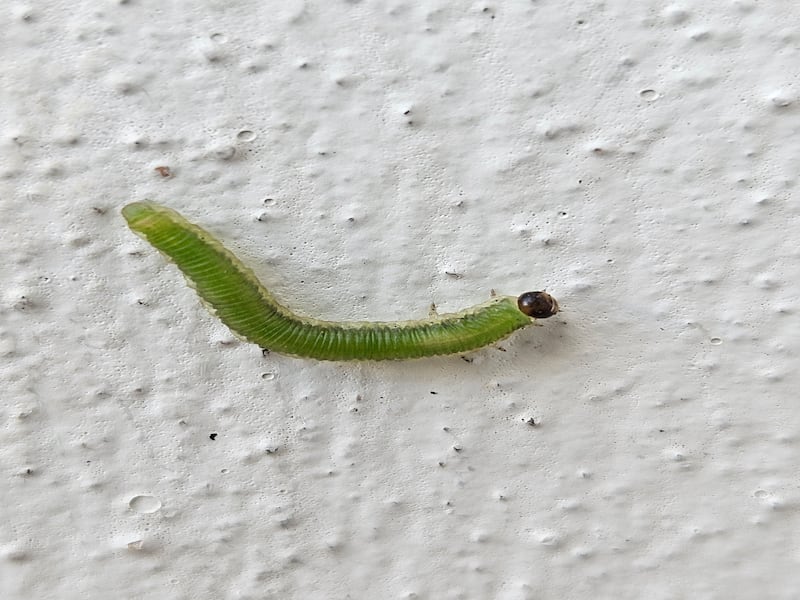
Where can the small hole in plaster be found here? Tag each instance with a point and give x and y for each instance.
(144, 504)
(649, 95)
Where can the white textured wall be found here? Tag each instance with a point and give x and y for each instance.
(638, 159)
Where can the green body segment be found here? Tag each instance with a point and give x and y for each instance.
(235, 295)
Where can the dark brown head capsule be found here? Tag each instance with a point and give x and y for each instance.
(538, 305)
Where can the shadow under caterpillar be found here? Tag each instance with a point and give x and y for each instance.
(232, 292)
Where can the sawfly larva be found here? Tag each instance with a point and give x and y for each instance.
(233, 293)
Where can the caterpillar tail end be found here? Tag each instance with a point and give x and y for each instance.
(136, 211)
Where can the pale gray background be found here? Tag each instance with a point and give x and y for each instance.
(637, 159)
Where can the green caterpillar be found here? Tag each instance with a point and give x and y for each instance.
(232, 292)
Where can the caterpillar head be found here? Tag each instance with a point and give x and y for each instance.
(538, 305)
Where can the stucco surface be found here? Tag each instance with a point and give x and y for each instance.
(638, 160)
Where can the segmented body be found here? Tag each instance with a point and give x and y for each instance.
(237, 297)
